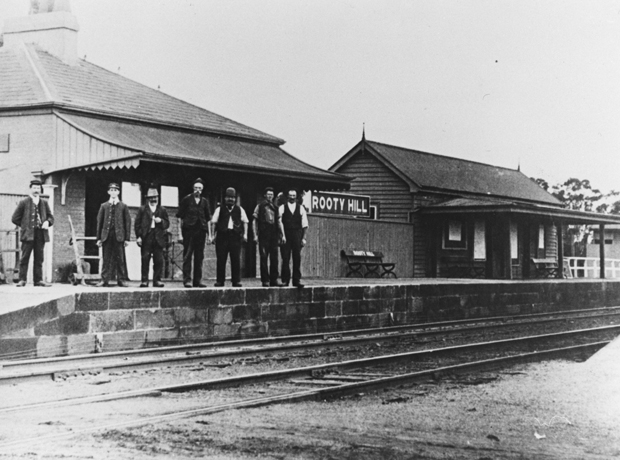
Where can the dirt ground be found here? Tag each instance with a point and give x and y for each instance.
(550, 410)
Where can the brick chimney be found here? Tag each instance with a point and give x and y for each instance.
(50, 25)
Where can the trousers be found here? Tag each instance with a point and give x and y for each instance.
(292, 247)
(150, 247)
(228, 243)
(193, 248)
(268, 252)
(28, 247)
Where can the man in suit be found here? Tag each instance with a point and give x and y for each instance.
(113, 234)
(195, 215)
(34, 217)
(293, 223)
(231, 228)
(150, 226)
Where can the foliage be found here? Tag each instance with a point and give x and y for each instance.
(581, 196)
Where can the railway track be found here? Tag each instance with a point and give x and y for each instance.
(12, 372)
(332, 379)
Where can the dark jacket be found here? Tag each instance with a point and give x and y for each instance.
(143, 221)
(24, 217)
(122, 222)
(192, 213)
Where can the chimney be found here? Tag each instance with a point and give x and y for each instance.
(50, 25)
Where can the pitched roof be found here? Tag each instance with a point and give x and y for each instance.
(149, 142)
(31, 77)
(437, 172)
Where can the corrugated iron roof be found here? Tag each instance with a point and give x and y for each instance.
(30, 76)
(431, 171)
(175, 145)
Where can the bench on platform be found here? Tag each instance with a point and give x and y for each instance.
(462, 268)
(545, 268)
(367, 264)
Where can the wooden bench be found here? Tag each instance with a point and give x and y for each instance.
(462, 268)
(367, 264)
(545, 268)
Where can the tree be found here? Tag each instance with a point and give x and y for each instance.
(579, 195)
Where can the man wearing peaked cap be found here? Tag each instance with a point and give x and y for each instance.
(113, 235)
(195, 215)
(231, 228)
(34, 217)
(151, 224)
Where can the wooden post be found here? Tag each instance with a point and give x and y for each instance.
(601, 247)
(560, 238)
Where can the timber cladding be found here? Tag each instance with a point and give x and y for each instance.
(328, 235)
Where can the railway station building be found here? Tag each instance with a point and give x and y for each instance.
(470, 220)
(79, 127)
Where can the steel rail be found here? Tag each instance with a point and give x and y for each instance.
(606, 311)
(316, 394)
(33, 373)
(282, 374)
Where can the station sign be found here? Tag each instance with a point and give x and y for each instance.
(342, 204)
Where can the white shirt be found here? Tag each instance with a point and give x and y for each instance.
(113, 201)
(216, 217)
(153, 208)
(35, 199)
(292, 207)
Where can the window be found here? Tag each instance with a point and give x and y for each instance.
(5, 143)
(480, 241)
(130, 194)
(541, 237)
(454, 236)
(514, 241)
(169, 196)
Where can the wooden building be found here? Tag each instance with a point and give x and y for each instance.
(470, 219)
(79, 127)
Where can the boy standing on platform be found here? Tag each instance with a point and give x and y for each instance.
(113, 235)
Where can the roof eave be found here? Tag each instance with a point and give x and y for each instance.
(566, 215)
(123, 117)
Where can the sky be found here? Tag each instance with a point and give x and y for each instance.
(511, 83)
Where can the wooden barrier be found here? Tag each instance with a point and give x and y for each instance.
(328, 235)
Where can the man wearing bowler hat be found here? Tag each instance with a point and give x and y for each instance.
(195, 215)
(33, 217)
(151, 224)
(231, 228)
(113, 235)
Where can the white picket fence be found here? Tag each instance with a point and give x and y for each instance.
(590, 267)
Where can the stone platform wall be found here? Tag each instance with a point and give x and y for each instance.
(114, 320)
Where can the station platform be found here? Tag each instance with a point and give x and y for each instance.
(67, 319)
(13, 298)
